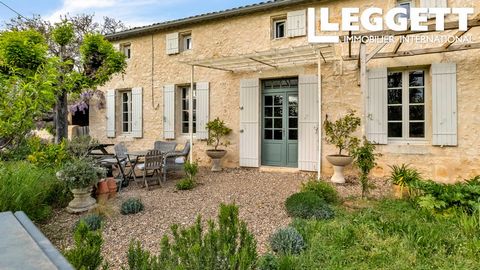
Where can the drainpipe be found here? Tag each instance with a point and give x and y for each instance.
(190, 113)
(319, 129)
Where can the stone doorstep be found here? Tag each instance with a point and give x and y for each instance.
(278, 169)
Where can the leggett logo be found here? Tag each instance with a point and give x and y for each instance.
(374, 19)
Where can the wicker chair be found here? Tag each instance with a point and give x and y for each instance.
(174, 161)
(165, 147)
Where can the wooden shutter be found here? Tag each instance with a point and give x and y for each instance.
(308, 123)
(376, 118)
(169, 111)
(202, 112)
(110, 100)
(172, 43)
(433, 3)
(137, 112)
(249, 123)
(444, 104)
(296, 23)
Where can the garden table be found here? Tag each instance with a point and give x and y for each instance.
(23, 246)
(101, 147)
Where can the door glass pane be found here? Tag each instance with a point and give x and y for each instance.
(268, 100)
(278, 135)
(292, 106)
(278, 100)
(268, 111)
(268, 123)
(293, 123)
(417, 112)
(416, 78)
(268, 134)
(293, 134)
(278, 123)
(394, 113)
(185, 127)
(278, 112)
(417, 130)
(417, 95)
(395, 130)
(394, 96)
(394, 79)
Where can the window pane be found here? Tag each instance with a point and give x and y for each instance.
(185, 127)
(417, 95)
(268, 134)
(395, 130)
(394, 113)
(278, 135)
(293, 111)
(417, 130)
(184, 104)
(268, 100)
(417, 112)
(277, 123)
(125, 117)
(278, 100)
(292, 100)
(125, 107)
(194, 128)
(268, 123)
(268, 111)
(185, 116)
(125, 127)
(293, 134)
(278, 112)
(395, 79)
(416, 78)
(394, 96)
(292, 122)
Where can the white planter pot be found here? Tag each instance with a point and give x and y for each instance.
(216, 157)
(339, 163)
(82, 200)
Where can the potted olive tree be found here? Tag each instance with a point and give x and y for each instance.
(339, 133)
(80, 175)
(217, 130)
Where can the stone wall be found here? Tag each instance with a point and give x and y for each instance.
(151, 68)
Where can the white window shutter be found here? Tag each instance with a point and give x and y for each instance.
(249, 123)
(376, 117)
(110, 100)
(444, 104)
(296, 23)
(116, 46)
(202, 112)
(172, 43)
(433, 3)
(169, 111)
(137, 112)
(308, 123)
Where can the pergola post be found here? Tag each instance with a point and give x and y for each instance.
(319, 129)
(363, 77)
(190, 112)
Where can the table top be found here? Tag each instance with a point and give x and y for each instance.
(137, 153)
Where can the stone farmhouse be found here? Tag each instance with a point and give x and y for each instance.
(254, 68)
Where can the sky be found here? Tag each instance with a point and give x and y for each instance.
(131, 12)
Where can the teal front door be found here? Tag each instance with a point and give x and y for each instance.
(280, 125)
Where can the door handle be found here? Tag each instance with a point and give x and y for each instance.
(241, 130)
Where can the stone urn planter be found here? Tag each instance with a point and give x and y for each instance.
(339, 162)
(217, 130)
(216, 156)
(82, 200)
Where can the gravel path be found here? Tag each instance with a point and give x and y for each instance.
(260, 196)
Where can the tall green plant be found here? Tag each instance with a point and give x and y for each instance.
(404, 177)
(217, 130)
(86, 254)
(365, 161)
(227, 246)
(339, 133)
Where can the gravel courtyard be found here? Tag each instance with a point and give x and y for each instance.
(260, 196)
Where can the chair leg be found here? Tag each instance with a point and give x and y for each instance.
(145, 178)
(159, 177)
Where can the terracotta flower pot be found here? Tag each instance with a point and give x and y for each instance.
(82, 200)
(216, 156)
(339, 162)
(112, 185)
(102, 187)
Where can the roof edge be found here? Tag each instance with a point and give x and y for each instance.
(203, 18)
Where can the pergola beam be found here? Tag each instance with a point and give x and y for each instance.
(375, 51)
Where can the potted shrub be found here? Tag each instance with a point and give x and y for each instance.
(217, 130)
(339, 133)
(80, 175)
(402, 179)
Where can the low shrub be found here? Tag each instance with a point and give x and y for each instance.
(86, 253)
(93, 221)
(185, 184)
(323, 190)
(442, 197)
(26, 187)
(308, 205)
(287, 241)
(49, 154)
(228, 245)
(131, 206)
(267, 262)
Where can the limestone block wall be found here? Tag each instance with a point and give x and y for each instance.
(151, 68)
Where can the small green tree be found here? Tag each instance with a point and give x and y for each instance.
(365, 161)
(217, 130)
(86, 254)
(339, 133)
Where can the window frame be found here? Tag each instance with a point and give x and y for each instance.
(278, 20)
(406, 107)
(129, 121)
(186, 109)
(183, 39)
(411, 3)
(124, 47)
